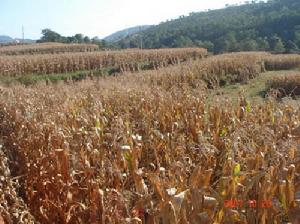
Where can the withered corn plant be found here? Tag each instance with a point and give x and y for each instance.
(282, 62)
(12, 207)
(130, 149)
(127, 60)
(285, 85)
(211, 72)
(46, 48)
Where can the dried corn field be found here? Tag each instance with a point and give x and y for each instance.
(205, 73)
(127, 60)
(283, 62)
(146, 148)
(46, 48)
(285, 85)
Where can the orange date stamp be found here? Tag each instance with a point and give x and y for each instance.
(236, 203)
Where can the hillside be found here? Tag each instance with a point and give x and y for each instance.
(124, 33)
(271, 26)
(5, 39)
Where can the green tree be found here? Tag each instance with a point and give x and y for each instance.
(50, 36)
(263, 44)
(222, 45)
(205, 44)
(232, 41)
(183, 41)
(79, 38)
(86, 40)
(96, 40)
(103, 43)
(134, 43)
(71, 39)
(277, 45)
(250, 45)
(291, 47)
(297, 36)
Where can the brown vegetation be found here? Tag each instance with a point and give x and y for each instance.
(127, 60)
(145, 148)
(285, 85)
(282, 62)
(211, 72)
(46, 48)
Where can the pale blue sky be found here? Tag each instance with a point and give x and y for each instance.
(92, 17)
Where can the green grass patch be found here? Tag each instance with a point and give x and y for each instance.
(75, 76)
(32, 79)
(254, 90)
(54, 78)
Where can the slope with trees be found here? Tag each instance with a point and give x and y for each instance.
(267, 26)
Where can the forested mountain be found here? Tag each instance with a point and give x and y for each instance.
(124, 33)
(272, 26)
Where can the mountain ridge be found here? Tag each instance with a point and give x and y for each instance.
(4, 39)
(118, 35)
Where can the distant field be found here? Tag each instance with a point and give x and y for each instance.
(179, 141)
(46, 48)
(127, 60)
(286, 85)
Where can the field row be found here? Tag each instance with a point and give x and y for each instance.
(215, 71)
(285, 85)
(128, 60)
(46, 48)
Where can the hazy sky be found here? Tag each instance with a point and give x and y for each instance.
(92, 17)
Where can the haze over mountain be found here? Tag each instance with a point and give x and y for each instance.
(7, 39)
(272, 26)
(124, 33)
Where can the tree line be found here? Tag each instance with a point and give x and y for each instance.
(51, 36)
